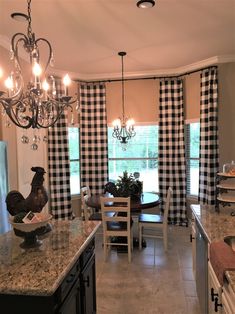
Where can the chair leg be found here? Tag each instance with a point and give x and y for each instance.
(165, 240)
(129, 248)
(140, 236)
(105, 249)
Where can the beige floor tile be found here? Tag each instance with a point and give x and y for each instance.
(193, 305)
(187, 273)
(190, 288)
(161, 284)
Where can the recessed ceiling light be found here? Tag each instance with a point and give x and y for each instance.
(145, 4)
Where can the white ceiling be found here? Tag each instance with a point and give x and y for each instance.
(86, 35)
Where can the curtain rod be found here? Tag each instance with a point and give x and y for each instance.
(146, 78)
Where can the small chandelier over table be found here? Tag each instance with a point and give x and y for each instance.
(123, 128)
(35, 104)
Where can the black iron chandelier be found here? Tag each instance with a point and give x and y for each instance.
(35, 104)
(123, 127)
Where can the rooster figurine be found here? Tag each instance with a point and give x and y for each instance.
(36, 200)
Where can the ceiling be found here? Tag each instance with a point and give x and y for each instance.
(86, 35)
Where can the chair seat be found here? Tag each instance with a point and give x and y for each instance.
(148, 218)
(111, 226)
(96, 216)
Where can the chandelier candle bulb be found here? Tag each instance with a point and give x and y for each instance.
(9, 85)
(67, 82)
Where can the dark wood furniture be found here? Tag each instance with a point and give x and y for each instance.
(147, 200)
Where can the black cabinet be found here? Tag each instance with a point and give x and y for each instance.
(75, 295)
(88, 287)
(72, 303)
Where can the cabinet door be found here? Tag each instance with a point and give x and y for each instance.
(214, 292)
(193, 239)
(88, 287)
(72, 303)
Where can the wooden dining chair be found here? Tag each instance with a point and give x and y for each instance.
(118, 225)
(86, 210)
(156, 224)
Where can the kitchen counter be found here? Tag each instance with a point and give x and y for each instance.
(216, 226)
(39, 271)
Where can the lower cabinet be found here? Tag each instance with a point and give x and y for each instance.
(79, 287)
(228, 299)
(214, 292)
(72, 303)
(88, 288)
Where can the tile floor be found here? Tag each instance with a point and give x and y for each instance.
(161, 285)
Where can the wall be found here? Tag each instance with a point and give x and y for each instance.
(226, 113)
(142, 99)
(8, 134)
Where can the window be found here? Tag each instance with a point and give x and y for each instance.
(140, 156)
(73, 133)
(192, 157)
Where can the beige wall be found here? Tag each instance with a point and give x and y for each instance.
(8, 134)
(142, 99)
(226, 113)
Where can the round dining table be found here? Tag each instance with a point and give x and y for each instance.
(147, 200)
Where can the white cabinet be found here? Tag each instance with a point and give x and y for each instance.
(228, 299)
(226, 189)
(193, 240)
(214, 292)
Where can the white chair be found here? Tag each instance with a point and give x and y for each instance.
(86, 210)
(148, 223)
(118, 224)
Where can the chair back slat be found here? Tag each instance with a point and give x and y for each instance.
(118, 224)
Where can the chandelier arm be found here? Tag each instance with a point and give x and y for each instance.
(50, 51)
(62, 101)
(13, 44)
(13, 116)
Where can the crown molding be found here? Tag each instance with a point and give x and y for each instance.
(164, 72)
(5, 43)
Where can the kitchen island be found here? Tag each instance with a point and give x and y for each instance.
(56, 277)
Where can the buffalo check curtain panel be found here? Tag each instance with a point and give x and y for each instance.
(171, 157)
(59, 166)
(93, 137)
(209, 157)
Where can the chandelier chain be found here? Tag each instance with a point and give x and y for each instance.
(29, 20)
(123, 94)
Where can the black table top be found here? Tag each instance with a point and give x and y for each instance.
(147, 200)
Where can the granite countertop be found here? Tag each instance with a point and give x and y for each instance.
(216, 226)
(39, 271)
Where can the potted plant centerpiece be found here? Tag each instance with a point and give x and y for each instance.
(126, 185)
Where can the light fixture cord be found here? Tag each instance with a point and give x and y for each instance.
(123, 110)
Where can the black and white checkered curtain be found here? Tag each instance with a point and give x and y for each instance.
(171, 157)
(59, 166)
(93, 137)
(208, 163)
